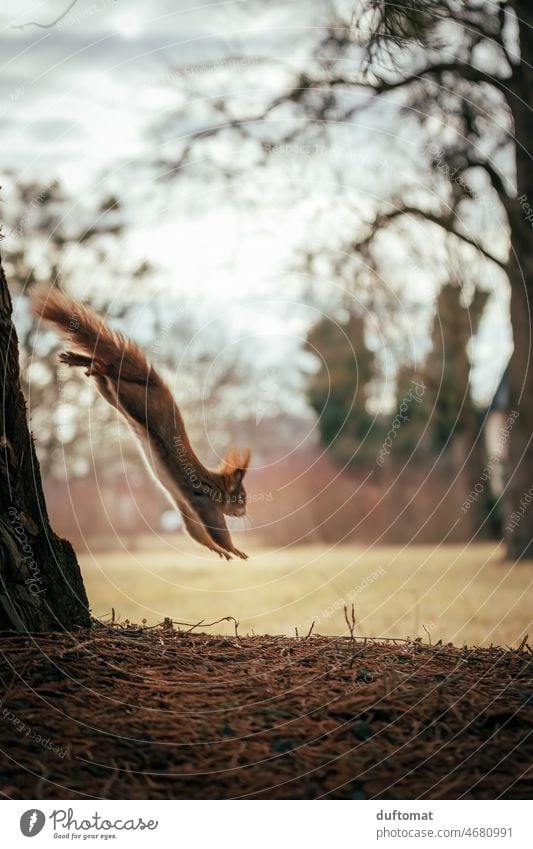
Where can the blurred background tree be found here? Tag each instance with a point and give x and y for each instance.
(451, 82)
(338, 391)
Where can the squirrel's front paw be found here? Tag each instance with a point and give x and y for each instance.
(222, 553)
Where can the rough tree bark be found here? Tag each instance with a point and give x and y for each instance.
(41, 587)
(519, 514)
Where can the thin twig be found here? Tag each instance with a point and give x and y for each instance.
(522, 644)
(46, 26)
(351, 625)
(194, 626)
(310, 630)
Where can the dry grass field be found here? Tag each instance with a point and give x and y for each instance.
(460, 594)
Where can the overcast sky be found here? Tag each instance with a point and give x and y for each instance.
(80, 99)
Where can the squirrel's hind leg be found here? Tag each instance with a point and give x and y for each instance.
(69, 358)
(93, 368)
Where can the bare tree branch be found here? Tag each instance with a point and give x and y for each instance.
(51, 24)
(445, 221)
(462, 69)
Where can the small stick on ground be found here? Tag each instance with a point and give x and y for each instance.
(310, 630)
(351, 625)
(522, 644)
(197, 625)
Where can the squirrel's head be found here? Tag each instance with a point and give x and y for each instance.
(233, 468)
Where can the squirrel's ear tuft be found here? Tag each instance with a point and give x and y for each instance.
(235, 463)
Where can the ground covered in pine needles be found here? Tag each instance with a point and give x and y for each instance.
(127, 713)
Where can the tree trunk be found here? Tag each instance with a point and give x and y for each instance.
(41, 587)
(518, 518)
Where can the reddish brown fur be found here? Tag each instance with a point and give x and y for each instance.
(126, 380)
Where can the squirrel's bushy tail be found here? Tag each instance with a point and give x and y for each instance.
(90, 341)
(123, 375)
